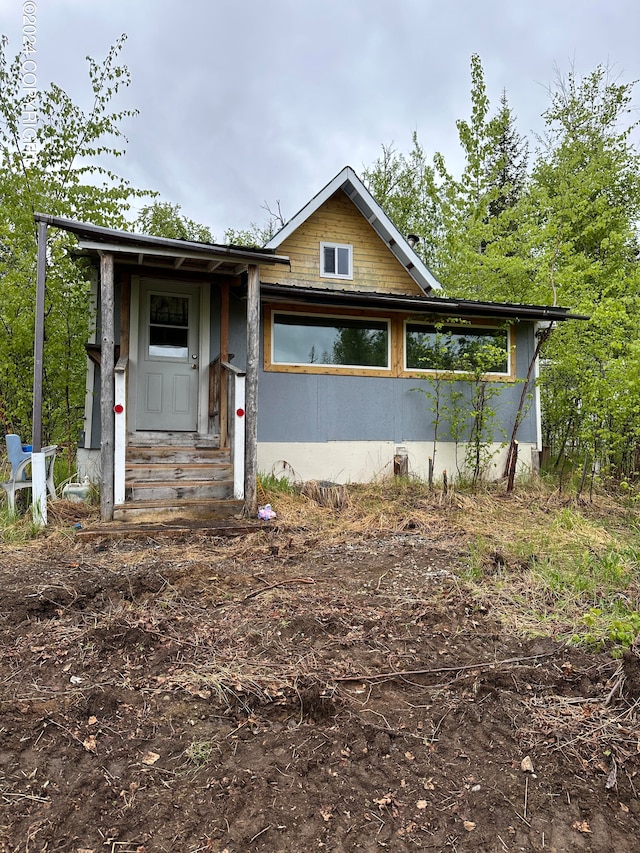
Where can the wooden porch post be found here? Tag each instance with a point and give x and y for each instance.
(125, 309)
(223, 382)
(107, 394)
(251, 409)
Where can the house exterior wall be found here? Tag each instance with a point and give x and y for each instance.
(367, 461)
(375, 268)
(347, 428)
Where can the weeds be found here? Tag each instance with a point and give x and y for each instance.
(556, 570)
(199, 752)
(17, 529)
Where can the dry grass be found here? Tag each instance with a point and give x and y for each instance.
(544, 564)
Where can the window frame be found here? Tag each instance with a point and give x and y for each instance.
(330, 245)
(270, 365)
(494, 375)
(396, 325)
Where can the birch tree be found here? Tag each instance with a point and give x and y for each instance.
(67, 177)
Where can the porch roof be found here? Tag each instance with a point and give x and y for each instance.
(416, 305)
(163, 252)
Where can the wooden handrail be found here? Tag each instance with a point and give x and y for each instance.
(232, 368)
(219, 394)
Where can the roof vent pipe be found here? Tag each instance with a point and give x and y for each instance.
(413, 240)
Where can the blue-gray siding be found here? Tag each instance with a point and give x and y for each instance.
(318, 408)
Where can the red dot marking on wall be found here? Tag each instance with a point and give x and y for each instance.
(240, 413)
(118, 409)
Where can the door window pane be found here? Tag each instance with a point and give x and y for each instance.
(168, 326)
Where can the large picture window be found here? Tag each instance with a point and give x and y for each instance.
(325, 341)
(457, 349)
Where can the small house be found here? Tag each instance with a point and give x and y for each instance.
(325, 355)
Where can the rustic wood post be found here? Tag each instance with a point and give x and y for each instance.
(251, 416)
(401, 463)
(542, 338)
(223, 382)
(107, 393)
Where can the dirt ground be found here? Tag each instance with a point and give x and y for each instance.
(276, 694)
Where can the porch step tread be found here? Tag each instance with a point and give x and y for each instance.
(143, 484)
(180, 490)
(168, 455)
(187, 466)
(188, 503)
(173, 439)
(213, 448)
(140, 472)
(159, 510)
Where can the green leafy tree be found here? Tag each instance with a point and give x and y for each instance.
(564, 234)
(405, 187)
(163, 219)
(67, 177)
(585, 203)
(256, 236)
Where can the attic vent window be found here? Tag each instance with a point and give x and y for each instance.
(336, 260)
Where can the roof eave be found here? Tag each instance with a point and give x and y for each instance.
(425, 305)
(99, 238)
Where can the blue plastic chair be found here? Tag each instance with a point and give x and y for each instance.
(20, 461)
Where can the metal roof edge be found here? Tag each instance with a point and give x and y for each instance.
(429, 303)
(170, 245)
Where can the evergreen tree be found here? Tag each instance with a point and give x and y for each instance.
(507, 162)
(481, 256)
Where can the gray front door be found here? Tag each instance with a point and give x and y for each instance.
(168, 357)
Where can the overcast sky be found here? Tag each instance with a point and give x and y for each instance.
(247, 101)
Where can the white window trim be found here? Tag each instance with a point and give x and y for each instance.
(336, 246)
(432, 370)
(322, 366)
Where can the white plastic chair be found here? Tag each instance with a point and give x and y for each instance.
(20, 460)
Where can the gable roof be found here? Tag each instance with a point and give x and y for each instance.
(355, 190)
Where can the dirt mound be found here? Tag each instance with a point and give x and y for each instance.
(274, 696)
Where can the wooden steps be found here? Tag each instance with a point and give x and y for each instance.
(176, 475)
(184, 510)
